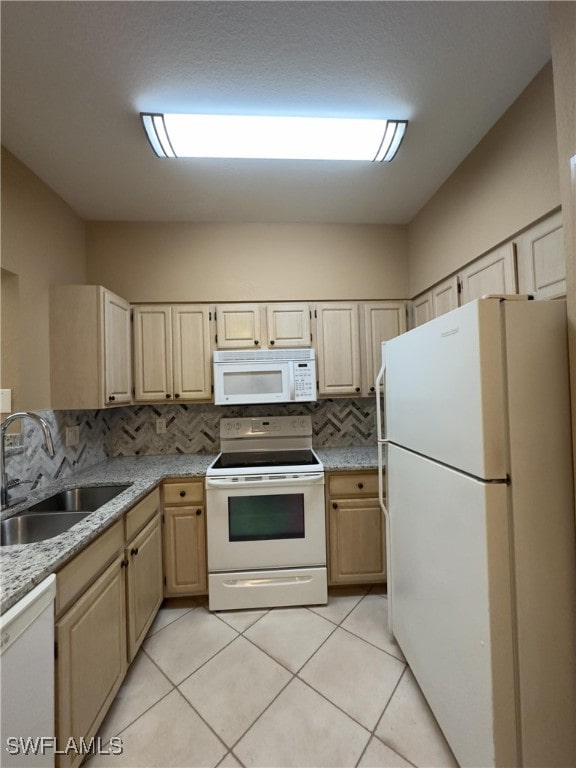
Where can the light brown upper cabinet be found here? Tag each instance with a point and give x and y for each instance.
(380, 321)
(90, 348)
(541, 260)
(494, 273)
(172, 352)
(288, 325)
(441, 298)
(445, 296)
(349, 337)
(258, 326)
(338, 342)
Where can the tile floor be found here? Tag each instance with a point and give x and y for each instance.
(309, 687)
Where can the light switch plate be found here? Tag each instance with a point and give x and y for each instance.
(73, 435)
(5, 400)
(160, 426)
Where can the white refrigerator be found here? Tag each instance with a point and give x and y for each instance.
(476, 479)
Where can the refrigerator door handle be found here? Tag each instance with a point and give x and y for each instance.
(380, 396)
(382, 501)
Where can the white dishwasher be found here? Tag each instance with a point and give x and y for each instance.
(27, 680)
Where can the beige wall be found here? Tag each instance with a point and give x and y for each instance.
(507, 182)
(43, 243)
(226, 262)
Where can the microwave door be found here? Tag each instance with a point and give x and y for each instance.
(245, 383)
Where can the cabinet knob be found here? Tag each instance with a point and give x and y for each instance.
(360, 485)
(134, 551)
(198, 511)
(334, 505)
(111, 398)
(124, 564)
(357, 389)
(372, 389)
(177, 394)
(168, 396)
(271, 342)
(256, 342)
(182, 493)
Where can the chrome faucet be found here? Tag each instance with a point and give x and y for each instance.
(48, 445)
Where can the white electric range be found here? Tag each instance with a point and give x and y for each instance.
(266, 516)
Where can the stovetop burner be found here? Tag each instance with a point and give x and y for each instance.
(266, 446)
(265, 459)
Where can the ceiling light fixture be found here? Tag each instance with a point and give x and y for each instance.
(282, 138)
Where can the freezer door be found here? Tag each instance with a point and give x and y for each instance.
(452, 605)
(445, 390)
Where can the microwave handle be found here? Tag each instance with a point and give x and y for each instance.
(291, 382)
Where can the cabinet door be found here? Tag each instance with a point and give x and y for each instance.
(493, 273)
(357, 542)
(238, 326)
(191, 352)
(381, 321)
(541, 259)
(445, 296)
(152, 353)
(422, 309)
(338, 349)
(91, 658)
(117, 350)
(288, 325)
(185, 550)
(144, 582)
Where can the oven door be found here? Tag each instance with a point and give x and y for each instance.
(265, 522)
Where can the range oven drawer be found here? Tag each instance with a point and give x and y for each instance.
(265, 589)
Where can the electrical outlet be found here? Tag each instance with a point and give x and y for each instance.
(73, 435)
(160, 426)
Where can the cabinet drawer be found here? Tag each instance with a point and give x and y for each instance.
(186, 492)
(353, 484)
(136, 517)
(75, 577)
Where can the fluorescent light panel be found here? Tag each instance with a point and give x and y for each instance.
(285, 138)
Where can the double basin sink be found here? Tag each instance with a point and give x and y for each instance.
(56, 514)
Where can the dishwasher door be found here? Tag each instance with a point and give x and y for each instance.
(27, 680)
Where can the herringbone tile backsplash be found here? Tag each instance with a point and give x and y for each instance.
(131, 431)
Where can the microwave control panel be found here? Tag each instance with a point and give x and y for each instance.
(304, 380)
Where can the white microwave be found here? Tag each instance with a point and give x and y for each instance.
(244, 377)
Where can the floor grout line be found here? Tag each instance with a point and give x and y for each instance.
(293, 675)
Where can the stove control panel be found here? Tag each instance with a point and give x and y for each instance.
(273, 426)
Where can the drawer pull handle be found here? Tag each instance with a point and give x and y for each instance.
(360, 485)
(182, 493)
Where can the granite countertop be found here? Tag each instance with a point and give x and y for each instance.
(353, 458)
(23, 566)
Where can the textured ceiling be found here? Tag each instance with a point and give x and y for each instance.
(75, 75)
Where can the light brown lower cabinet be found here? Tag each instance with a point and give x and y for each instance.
(91, 661)
(144, 588)
(185, 570)
(106, 598)
(356, 532)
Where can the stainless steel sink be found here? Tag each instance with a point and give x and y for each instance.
(26, 528)
(81, 499)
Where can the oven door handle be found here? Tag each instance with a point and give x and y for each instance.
(221, 482)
